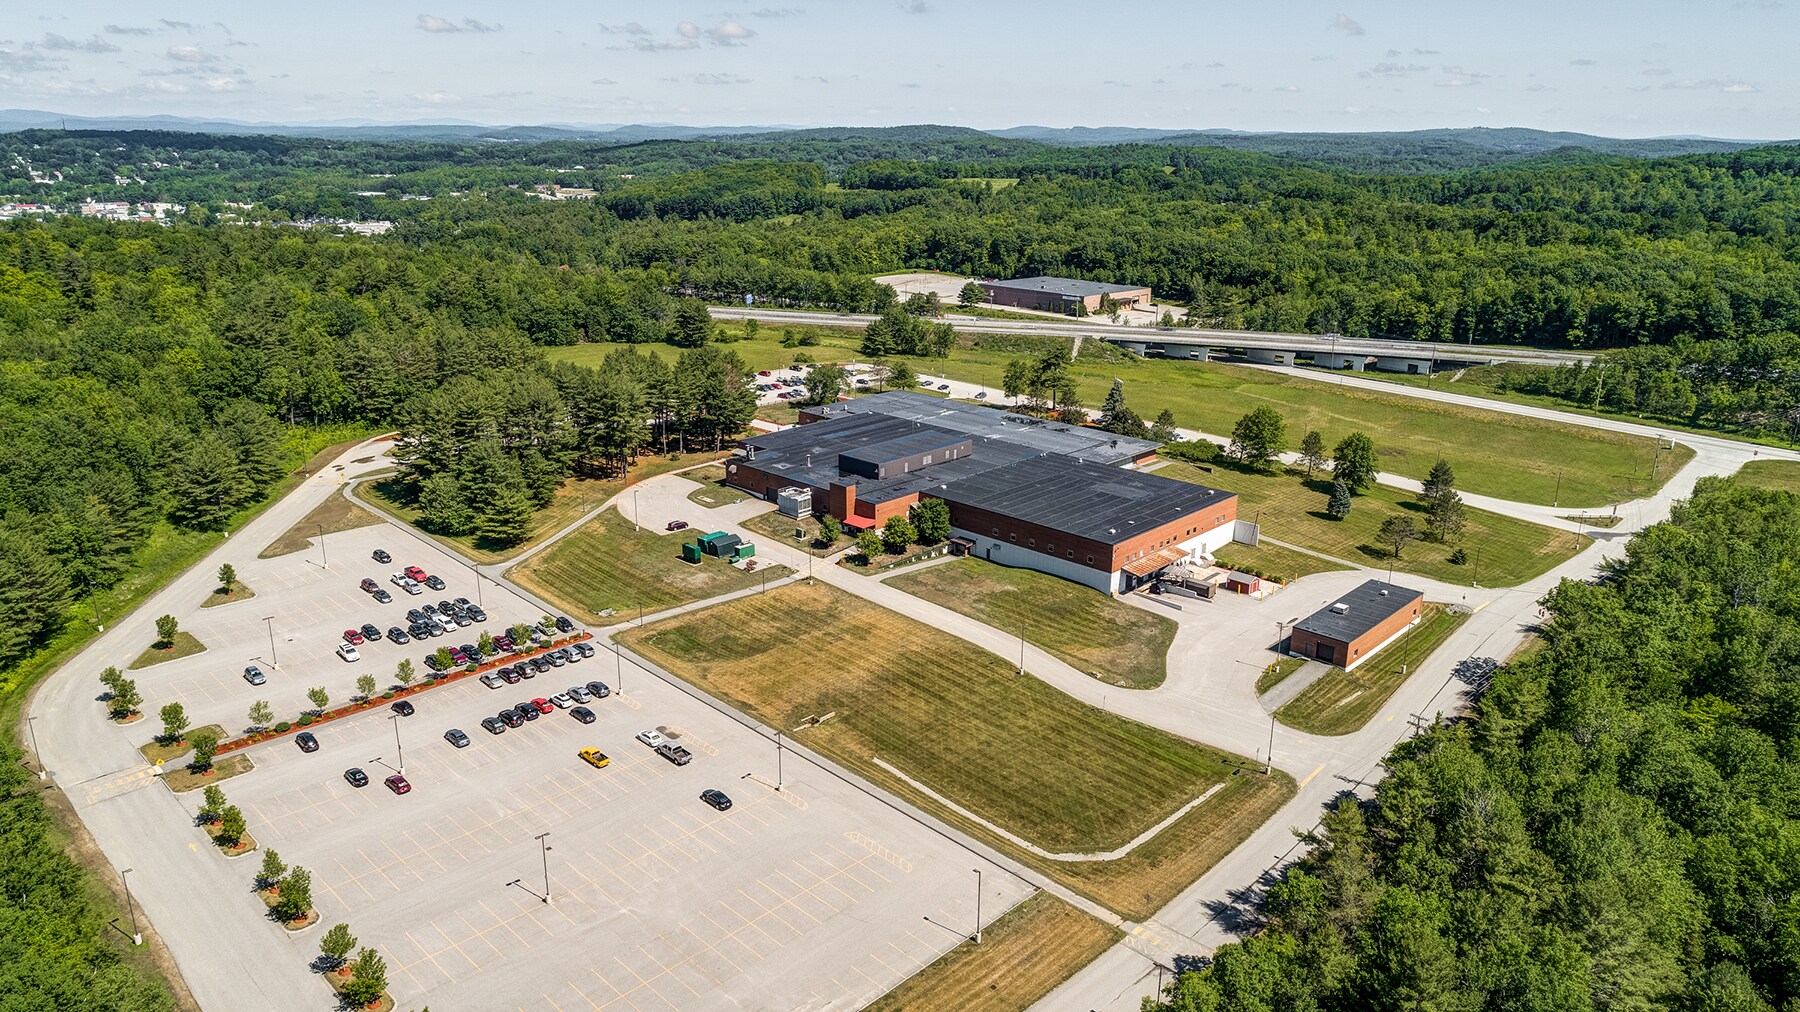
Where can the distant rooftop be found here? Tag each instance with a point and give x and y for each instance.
(1363, 609)
(1036, 435)
(1093, 501)
(1074, 288)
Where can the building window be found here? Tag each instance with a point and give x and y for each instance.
(1014, 537)
(1031, 542)
(996, 532)
(1090, 560)
(1071, 553)
(1050, 548)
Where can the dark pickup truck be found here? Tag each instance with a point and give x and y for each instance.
(674, 753)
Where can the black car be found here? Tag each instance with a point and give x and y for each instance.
(455, 736)
(463, 602)
(582, 713)
(382, 557)
(510, 718)
(383, 597)
(527, 711)
(599, 690)
(371, 631)
(431, 609)
(446, 608)
(717, 799)
(402, 707)
(476, 614)
(434, 583)
(563, 623)
(306, 741)
(415, 615)
(525, 670)
(420, 631)
(398, 635)
(356, 777)
(510, 675)
(539, 665)
(432, 662)
(471, 651)
(493, 725)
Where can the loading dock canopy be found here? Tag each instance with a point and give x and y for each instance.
(1154, 561)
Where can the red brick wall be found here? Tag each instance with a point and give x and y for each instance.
(1098, 555)
(1306, 644)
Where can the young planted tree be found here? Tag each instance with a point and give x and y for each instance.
(320, 698)
(260, 714)
(931, 518)
(231, 826)
(1312, 452)
(403, 673)
(521, 635)
(824, 383)
(125, 698)
(1355, 461)
(971, 295)
(368, 978)
(1163, 429)
(296, 895)
(227, 578)
(829, 529)
(175, 721)
(897, 534)
(111, 678)
(206, 745)
(365, 685)
(1396, 533)
(443, 659)
(1258, 437)
(271, 871)
(868, 545)
(1338, 507)
(337, 944)
(212, 802)
(166, 630)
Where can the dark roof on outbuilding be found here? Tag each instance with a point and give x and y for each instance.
(1365, 608)
(1093, 501)
(1074, 288)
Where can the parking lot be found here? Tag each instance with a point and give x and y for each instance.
(815, 896)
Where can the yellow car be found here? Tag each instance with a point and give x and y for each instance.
(594, 757)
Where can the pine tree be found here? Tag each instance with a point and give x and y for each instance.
(1339, 505)
(1163, 429)
(444, 509)
(692, 325)
(971, 295)
(505, 516)
(1441, 480)
(1447, 516)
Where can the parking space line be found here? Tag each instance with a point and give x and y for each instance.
(428, 956)
(710, 947)
(592, 1004)
(667, 972)
(353, 880)
(457, 946)
(417, 848)
(481, 934)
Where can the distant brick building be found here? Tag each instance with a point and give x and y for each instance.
(1062, 295)
(1357, 624)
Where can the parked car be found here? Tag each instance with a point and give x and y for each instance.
(412, 587)
(717, 799)
(510, 718)
(943, 386)
(356, 777)
(543, 705)
(433, 582)
(371, 632)
(397, 784)
(677, 525)
(354, 637)
(593, 757)
(420, 631)
(471, 651)
(382, 557)
(651, 738)
(369, 585)
(562, 701)
(674, 753)
(503, 642)
(476, 614)
(563, 623)
(383, 597)
(538, 666)
(348, 652)
(509, 675)
(414, 615)
(599, 690)
(402, 707)
(414, 573)
(493, 725)
(555, 659)
(254, 675)
(579, 694)
(396, 634)
(527, 711)
(399, 579)
(307, 741)
(571, 654)
(492, 680)
(584, 648)
(583, 714)
(456, 737)
(457, 656)
(981, 395)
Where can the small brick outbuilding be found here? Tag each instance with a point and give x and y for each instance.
(1357, 624)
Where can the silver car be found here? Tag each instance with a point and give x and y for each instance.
(254, 675)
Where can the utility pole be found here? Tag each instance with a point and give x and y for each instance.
(31, 722)
(137, 937)
(1021, 646)
(636, 518)
(541, 837)
(274, 661)
(977, 906)
(1269, 767)
(1556, 500)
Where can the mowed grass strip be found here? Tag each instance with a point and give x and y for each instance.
(714, 492)
(1502, 551)
(1343, 701)
(605, 563)
(1115, 642)
(1022, 957)
(184, 645)
(337, 513)
(1274, 562)
(1068, 777)
(1781, 475)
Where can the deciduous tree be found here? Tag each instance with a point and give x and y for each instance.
(897, 534)
(1258, 437)
(1312, 452)
(1396, 532)
(206, 745)
(167, 628)
(931, 519)
(296, 895)
(174, 720)
(868, 545)
(227, 577)
(320, 698)
(336, 944)
(1355, 462)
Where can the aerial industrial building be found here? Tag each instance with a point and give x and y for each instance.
(1071, 296)
(1021, 491)
(1357, 624)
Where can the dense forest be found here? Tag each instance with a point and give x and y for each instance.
(1616, 827)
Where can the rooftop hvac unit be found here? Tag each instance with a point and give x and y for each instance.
(1340, 608)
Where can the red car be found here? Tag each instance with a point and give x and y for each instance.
(678, 525)
(543, 705)
(370, 586)
(352, 637)
(765, 372)
(414, 572)
(397, 784)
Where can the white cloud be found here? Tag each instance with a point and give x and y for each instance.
(656, 46)
(914, 7)
(628, 28)
(431, 23)
(1343, 23)
(603, 81)
(27, 61)
(718, 79)
(729, 33)
(1713, 84)
(1394, 70)
(1739, 88)
(778, 12)
(190, 54)
(94, 44)
(1457, 82)
(435, 98)
(125, 30)
(688, 30)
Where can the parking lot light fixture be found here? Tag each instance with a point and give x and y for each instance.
(274, 662)
(545, 847)
(778, 751)
(618, 667)
(323, 562)
(398, 752)
(137, 937)
(31, 722)
(977, 906)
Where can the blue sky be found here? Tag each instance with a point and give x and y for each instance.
(1624, 69)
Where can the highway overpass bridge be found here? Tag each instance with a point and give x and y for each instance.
(1323, 350)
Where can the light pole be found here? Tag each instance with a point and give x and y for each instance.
(618, 667)
(478, 599)
(977, 906)
(1021, 646)
(324, 563)
(778, 751)
(1269, 766)
(95, 601)
(1556, 500)
(137, 938)
(541, 837)
(274, 662)
(31, 722)
(398, 754)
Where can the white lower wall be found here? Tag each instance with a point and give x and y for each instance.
(1008, 554)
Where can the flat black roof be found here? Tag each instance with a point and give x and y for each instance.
(1367, 606)
(1094, 501)
(988, 425)
(808, 454)
(1075, 288)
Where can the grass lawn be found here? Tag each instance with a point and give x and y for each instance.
(607, 564)
(335, 514)
(1503, 551)
(155, 751)
(1277, 673)
(239, 592)
(836, 344)
(779, 528)
(182, 779)
(1113, 641)
(185, 645)
(1274, 562)
(575, 498)
(1343, 701)
(1018, 753)
(1023, 956)
(1783, 475)
(716, 493)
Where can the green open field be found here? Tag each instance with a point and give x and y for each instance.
(1018, 753)
(605, 563)
(779, 528)
(1023, 956)
(1343, 701)
(1783, 475)
(1503, 551)
(1113, 641)
(1495, 454)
